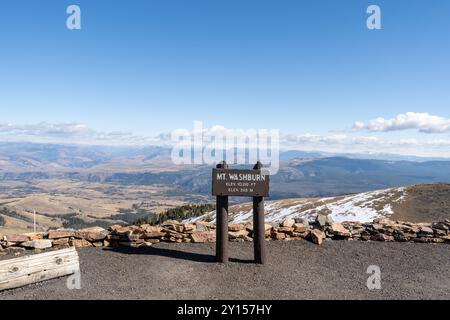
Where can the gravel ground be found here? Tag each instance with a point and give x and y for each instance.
(295, 270)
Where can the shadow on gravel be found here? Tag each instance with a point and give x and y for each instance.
(176, 254)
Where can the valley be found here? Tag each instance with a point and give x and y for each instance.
(75, 186)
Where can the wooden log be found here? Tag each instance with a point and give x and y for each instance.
(22, 271)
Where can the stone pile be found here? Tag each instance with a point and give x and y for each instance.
(318, 231)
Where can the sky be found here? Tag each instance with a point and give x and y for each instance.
(311, 69)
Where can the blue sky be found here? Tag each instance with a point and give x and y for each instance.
(304, 67)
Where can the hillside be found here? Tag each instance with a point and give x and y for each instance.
(419, 203)
(81, 186)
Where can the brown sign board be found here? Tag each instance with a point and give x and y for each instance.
(242, 183)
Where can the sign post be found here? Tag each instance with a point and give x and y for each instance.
(222, 223)
(259, 232)
(242, 183)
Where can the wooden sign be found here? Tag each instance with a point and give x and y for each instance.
(242, 183)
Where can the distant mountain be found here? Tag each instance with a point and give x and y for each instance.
(301, 174)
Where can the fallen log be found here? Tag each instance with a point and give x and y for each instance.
(22, 271)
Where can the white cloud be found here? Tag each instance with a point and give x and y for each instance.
(68, 133)
(78, 133)
(423, 122)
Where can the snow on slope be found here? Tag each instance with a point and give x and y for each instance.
(363, 207)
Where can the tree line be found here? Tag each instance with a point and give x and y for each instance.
(178, 213)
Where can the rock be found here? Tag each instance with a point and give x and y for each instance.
(382, 237)
(149, 228)
(179, 228)
(153, 235)
(286, 230)
(128, 230)
(317, 236)
(115, 227)
(93, 234)
(61, 241)
(130, 244)
(385, 221)
(18, 238)
(38, 244)
(189, 227)
(236, 227)
(132, 237)
(278, 235)
(35, 235)
(97, 244)
(324, 220)
(202, 226)
(169, 223)
(56, 234)
(288, 222)
(203, 236)
(80, 243)
(401, 236)
(300, 227)
(425, 232)
(302, 221)
(338, 229)
(238, 234)
(440, 226)
(152, 241)
(440, 232)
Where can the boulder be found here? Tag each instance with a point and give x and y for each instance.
(92, 234)
(382, 237)
(236, 227)
(238, 234)
(288, 223)
(324, 220)
(56, 234)
(153, 235)
(440, 226)
(317, 236)
(148, 228)
(60, 241)
(80, 243)
(278, 235)
(286, 230)
(300, 227)
(203, 226)
(189, 227)
(425, 231)
(38, 244)
(385, 221)
(35, 235)
(203, 236)
(17, 238)
(179, 228)
(302, 221)
(338, 229)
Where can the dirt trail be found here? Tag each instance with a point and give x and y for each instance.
(296, 270)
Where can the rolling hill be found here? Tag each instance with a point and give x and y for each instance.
(419, 203)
